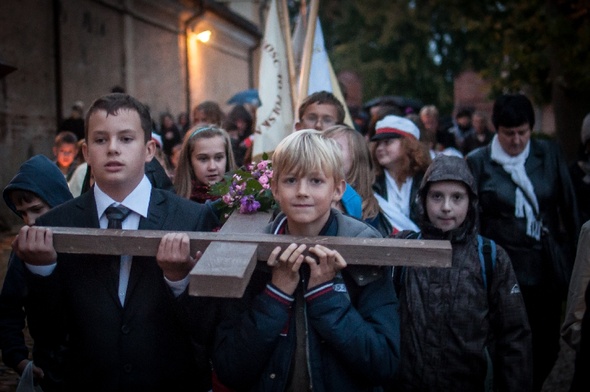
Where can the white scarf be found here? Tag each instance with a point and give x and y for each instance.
(393, 211)
(514, 165)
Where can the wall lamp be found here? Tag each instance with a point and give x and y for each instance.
(204, 36)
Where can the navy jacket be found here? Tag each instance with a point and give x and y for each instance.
(352, 329)
(42, 177)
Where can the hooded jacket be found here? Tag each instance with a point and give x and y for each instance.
(352, 328)
(42, 177)
(448, 317)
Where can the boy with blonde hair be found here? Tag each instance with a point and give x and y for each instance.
(306, 319)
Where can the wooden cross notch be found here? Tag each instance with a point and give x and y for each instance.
(230, 256)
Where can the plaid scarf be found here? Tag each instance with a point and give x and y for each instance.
(200, 193)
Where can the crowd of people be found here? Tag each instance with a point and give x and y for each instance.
(506, 200)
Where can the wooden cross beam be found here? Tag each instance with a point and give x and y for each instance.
(230, 256)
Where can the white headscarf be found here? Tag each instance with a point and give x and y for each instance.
(514, 165)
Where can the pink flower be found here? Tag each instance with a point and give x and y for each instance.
(227, 199)
(262, 165)
(248, 189)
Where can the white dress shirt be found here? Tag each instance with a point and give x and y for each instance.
(138, 204)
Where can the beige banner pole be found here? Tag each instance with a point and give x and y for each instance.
(307, 52)
(286, 28)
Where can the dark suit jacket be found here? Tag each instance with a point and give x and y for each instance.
(155, 341)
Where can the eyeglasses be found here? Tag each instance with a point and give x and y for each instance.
(312, 119)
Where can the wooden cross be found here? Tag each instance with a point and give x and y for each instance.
(230, 255)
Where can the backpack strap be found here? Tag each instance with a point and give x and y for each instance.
(487, 258)
(486, 249)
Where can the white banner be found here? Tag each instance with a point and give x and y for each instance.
(274, 118)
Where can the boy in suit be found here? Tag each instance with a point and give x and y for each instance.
(127, 320)
(308, 319)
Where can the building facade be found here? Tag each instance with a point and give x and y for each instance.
(78, 50)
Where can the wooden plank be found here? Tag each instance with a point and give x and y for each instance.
(246, 223)
(371, 251)
(230, 255)
(224, 271)
(225, 268)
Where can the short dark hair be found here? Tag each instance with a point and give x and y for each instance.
(117, 89)
(322, 98)
(512, 110)
(112, 103)
(239, 112)
(18, 196)
(464, 112)
(65, 137)
(213, 112)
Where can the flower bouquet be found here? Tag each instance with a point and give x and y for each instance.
(246, 189)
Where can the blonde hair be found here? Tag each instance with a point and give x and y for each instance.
(185, 175)
(416, 159)
(361, 175)
(307, 151)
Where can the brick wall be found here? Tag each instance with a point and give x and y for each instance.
(472, 91)
(137, 44)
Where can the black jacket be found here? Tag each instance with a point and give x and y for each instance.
(549, 175)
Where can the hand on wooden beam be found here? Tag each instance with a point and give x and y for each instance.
(34, 245)
(174, 257)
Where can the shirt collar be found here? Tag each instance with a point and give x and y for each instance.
(136, 201)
